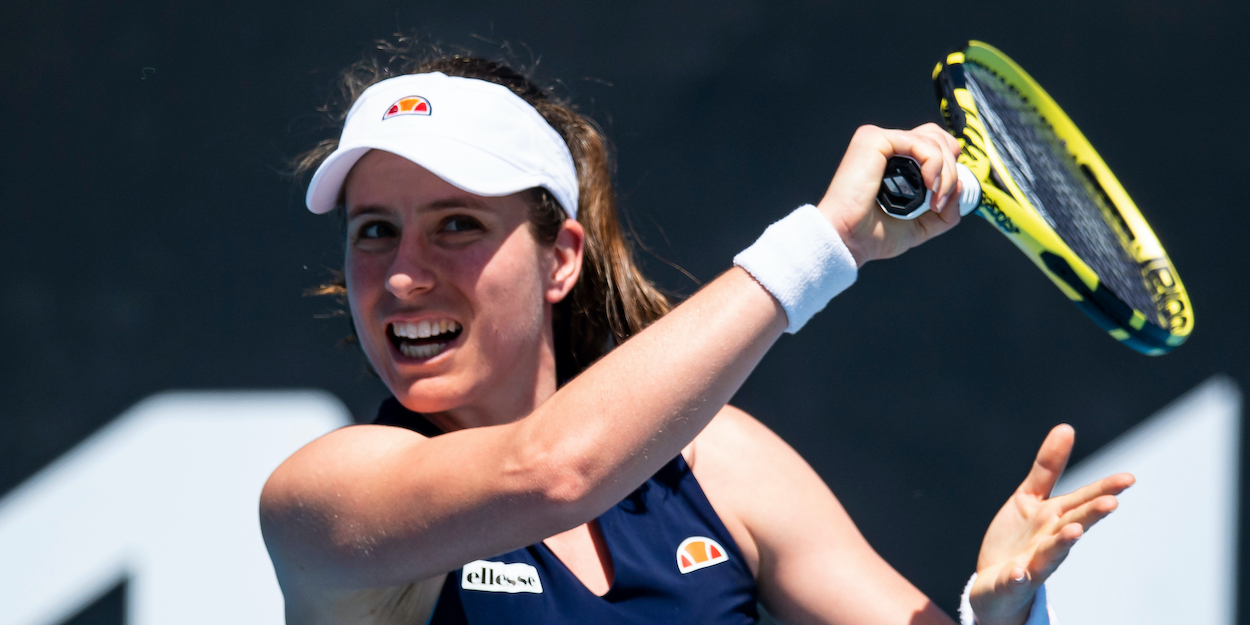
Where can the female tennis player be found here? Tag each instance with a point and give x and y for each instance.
(558, 448)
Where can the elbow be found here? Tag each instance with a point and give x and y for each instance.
(280, 521)
(567, 488)
(311, 546)
(276, 514)
(554, 474)
(303, 536)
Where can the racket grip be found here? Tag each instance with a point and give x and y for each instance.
(900, 196)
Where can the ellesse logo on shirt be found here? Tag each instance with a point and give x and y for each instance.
(500, 577)
(699, 552)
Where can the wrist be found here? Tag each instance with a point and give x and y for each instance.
(1019, 618)
(1035, 610)
(802, 262)
(834, 211)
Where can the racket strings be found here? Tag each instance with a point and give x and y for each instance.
(1038, 161)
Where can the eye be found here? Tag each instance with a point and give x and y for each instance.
(376, 230)
(461, 223)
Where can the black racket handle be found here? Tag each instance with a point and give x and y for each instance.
(903, 194)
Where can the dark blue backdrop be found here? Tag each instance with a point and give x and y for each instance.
(152, 243)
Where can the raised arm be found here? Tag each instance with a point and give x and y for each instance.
(372, 506)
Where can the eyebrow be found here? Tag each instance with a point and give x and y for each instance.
(366, 210)
(465, 201)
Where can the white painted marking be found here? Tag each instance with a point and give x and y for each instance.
(1168, 555)
(166, 497)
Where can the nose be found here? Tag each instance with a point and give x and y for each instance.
(408, 275)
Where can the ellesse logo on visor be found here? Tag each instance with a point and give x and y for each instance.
(699, 552)
(500, 577)
(411, 105)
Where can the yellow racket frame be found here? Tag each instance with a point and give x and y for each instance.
(1151, 332)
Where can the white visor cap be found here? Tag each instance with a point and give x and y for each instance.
(476, 135)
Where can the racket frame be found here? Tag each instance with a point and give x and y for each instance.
(1004, 205)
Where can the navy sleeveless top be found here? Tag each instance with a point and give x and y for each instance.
(673, 562)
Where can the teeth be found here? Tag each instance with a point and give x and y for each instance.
(421, 351)
(406, 330)
(424, 329)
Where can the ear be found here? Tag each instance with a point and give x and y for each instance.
(567, 261)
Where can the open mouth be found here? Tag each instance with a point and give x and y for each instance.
(423, 339)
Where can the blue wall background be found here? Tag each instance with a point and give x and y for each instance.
(152, 244)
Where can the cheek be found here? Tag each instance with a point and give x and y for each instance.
(509, 293)
(364, 276)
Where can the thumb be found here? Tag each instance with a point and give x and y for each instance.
(1015, 580)
(1010, 592)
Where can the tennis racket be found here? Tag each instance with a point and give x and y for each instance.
(1029, 171)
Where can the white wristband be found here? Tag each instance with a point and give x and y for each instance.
(1039, 614)
(802, 262)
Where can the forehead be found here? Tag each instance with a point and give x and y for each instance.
(381, 180)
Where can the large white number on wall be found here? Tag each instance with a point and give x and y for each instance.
(165, 497)
(1169, 554)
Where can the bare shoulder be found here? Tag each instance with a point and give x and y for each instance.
(738, 461)
(737, 446)
(761, 487)
(731, 433)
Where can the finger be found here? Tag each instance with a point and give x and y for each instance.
(950, 176)
(922, 147)
(945, 138)
(950, 179)
(933, 165)
(1052, 552)
(950, 151)
(1051, 459)
(1112, 485)
(1090, 512)
(951, 217)
(931, 223)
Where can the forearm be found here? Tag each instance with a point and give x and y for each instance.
(626, 415)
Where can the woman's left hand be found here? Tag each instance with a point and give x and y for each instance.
(1033, 533)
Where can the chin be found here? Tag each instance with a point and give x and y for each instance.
(430, 395)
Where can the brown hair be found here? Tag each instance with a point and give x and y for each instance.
(612, 300)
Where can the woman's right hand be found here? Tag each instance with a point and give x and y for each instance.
(850, 204)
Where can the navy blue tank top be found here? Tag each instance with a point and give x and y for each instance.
(673, 562)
